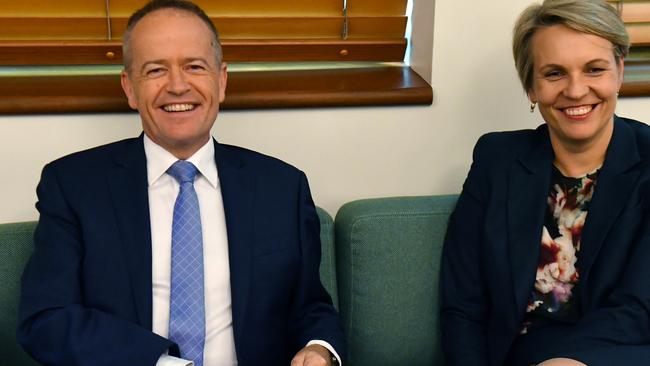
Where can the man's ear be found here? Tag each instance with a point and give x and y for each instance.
(127, 86)
(223, 81)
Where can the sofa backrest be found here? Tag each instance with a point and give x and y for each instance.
(15, 249)
(388, 258)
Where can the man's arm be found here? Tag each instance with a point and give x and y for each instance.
(313, 315)
(315, 355)
(56, 325)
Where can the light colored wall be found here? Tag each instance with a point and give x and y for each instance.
(347, 153)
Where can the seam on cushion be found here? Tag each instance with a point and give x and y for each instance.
(20, 231)
(400, 214)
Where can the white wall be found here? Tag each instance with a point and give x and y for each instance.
(347, 153)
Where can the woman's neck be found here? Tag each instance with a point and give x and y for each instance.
(576, 159)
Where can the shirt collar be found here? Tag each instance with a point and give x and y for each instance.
(159, 160)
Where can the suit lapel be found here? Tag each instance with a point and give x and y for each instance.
(237, 190)
(528, 186)
(128, 185)
(614, 185)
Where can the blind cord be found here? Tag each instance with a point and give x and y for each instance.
(108, 20)
(344, 32)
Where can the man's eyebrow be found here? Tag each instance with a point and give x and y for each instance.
(193, 59)
(155, 62)
(163, 62)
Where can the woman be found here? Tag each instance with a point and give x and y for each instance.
(547, 255)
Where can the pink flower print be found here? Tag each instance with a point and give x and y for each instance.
(587, 190)
(562, 292)
(556, 266)
(566, 256)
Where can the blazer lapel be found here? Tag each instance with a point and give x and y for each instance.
(237, 191)
(614, 184)
(527, 191)
(128, 185)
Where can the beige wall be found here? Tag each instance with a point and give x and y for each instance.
(347, 153)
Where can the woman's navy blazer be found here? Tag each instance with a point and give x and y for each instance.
(493, 243)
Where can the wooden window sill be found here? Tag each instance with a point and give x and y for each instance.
(329, 87)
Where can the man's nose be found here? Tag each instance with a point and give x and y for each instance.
(177, 83)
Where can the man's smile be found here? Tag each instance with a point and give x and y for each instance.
(179, 107)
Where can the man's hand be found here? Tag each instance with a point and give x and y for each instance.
(561, 362)
(312, 355)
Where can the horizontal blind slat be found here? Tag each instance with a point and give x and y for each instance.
(639, 34)
(636, 12)
(377, 27)
(94, 28)
(36, 8)
(264, 27)
(58, 28)
(376, 7)
(247, 7)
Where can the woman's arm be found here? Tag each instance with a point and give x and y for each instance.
(620, 328)
(464, 305)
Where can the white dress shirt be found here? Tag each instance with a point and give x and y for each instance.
(219, 349)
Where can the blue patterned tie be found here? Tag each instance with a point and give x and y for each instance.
(187, 306)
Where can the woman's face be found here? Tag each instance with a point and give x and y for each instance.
(575, 83)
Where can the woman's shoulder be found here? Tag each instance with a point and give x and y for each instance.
(510, 143)
(641, 129)
(512, 138)
(641, 133)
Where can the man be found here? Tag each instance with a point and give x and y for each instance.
(171, 247)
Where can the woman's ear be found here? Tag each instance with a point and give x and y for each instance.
(621, 69)
(531, 96)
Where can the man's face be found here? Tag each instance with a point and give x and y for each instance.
(174, 80)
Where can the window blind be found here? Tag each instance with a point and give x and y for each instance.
(636, 15)
(43, 32)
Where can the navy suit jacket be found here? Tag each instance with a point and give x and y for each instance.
(86, 291)
(493, 243)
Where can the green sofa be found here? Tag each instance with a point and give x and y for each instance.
(380, 261)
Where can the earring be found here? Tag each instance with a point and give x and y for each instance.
(532, 106)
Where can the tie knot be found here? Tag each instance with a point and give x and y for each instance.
(183, 171)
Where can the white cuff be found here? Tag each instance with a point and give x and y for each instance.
(326, 345)
(167, 360)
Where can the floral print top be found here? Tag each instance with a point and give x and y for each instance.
(557, 275)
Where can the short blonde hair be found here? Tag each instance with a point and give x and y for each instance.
(587, 16)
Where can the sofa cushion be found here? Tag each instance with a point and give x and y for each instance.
(388, 258)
